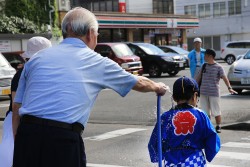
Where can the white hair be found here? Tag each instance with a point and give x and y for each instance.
(79, 21)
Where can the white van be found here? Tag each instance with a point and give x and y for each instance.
(6, 74)
(233, 49)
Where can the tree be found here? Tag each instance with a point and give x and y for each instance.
(36, 11)
(16, 25)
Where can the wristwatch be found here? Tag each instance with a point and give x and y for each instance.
(229, 88)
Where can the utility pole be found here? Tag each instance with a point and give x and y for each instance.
(50, 12)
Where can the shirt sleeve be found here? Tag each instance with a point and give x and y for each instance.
(118, 79)
(21, 88)
(221, 71)
(153, 141)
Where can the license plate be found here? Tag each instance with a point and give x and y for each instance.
(181, 64)
(5, 91)
(245, 81)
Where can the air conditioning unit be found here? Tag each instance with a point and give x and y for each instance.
(63, 5)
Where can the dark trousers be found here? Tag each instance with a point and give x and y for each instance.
(45, 146)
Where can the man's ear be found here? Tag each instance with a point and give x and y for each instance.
(88, 35)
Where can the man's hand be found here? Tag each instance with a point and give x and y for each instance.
(162, 88)
(146, 85)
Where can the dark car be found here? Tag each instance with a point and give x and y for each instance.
(155, 61)
(175, 49)
(121, 54)
(15, 59)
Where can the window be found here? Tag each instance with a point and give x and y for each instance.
(247, 44)
(109, 6)
(163, 6)
(216, 43)
(101, 5)
(138, 35)
(119, 35)
(236, 45)
(207, 43)
(204, 10)
(95, 6)
(190, 10)
(105, 35)
(234, 7)
(219, 9)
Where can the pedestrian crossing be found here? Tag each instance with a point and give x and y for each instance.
(243, 154)
(230, 155)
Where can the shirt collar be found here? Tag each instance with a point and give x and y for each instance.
(75, 41)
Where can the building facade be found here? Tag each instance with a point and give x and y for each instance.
(220, 21)
(151, 21)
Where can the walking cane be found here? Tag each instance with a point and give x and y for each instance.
(159, 131)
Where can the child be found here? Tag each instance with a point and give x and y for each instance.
(185, 130)
(209, 77)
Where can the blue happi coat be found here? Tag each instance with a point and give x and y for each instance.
(186, 130)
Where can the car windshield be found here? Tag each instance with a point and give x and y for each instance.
(122, 50)
(247, 56)
(3, 61)
(179, 50)
(151, 49)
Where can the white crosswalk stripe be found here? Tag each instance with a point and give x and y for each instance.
(113, 134)
(233, 155)
(236, 145)
(4, 105)
(102, 165)
(210, 165)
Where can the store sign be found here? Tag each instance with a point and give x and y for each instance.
(171, 23)
(5, 46)
(122, 6)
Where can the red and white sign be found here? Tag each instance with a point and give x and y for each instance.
(122, 6)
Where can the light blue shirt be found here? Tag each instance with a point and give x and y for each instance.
(61, 83)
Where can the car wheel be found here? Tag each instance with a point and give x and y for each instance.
(239, 91)
(173, 73)
(230, 59)
(154, 70)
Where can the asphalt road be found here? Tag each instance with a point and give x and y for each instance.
(119, 128)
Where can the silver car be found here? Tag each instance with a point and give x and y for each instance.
(6, 74)
(239, 73)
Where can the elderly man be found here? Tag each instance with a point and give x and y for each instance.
(56, 93)
(196, 58)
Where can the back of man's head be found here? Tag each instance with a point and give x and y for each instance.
(77, 22)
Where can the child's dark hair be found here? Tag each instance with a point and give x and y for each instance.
(186, 96)
(210, 52)
(184, 88)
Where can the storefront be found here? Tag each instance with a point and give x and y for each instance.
(150, 28)
(158, 30)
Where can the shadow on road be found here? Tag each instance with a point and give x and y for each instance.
(244, 126)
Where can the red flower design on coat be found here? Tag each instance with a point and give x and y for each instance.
(184, 122)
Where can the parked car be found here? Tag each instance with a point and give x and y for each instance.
(121, 54)
(175, 49)
(6, 74)
(232, 49)
(239, 73)
(15, 59)
(155, 61)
